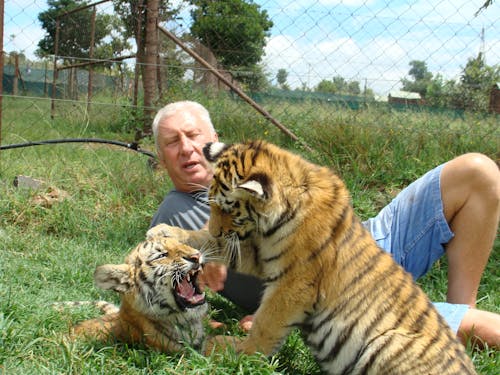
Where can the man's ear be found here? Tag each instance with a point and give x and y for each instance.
(161, 161)
(115, 277)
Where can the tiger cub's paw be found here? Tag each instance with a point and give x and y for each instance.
(222, 343)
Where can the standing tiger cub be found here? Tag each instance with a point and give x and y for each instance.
(291, 223)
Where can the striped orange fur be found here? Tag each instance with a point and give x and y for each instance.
(161, 306)
(291, 222)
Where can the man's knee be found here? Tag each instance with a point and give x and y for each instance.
(471, 179)
(477, 173)
(479, 169)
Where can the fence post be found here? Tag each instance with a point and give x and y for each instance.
(139, 57)
(54, 74)
(15, 80)
(91, 56)
(1, 66)
(149, 71)
(45, 91)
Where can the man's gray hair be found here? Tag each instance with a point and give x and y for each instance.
(172, 108)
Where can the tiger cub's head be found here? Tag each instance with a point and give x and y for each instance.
(158, 278)
(249, 191)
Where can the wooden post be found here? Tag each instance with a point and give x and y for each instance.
(54, 73)
(139, 58)
(45, 81)
(149, 72)
(15, 81)
(91, 56)
(1, 66)
(139, 55)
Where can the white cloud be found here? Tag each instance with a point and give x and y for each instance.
(381, 61)
(310, 63)
(22, 30)
(378, 44)
(22, 39)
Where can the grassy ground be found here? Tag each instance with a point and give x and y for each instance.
(49, 253)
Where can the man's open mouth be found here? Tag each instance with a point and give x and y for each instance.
(190, 165)
(187, 293)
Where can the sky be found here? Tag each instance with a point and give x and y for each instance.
(369, 41)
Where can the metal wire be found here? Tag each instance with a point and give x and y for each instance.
(134, 146)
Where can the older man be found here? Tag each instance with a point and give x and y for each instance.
(181, 130)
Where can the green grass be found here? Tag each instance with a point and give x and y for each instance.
(49, 254)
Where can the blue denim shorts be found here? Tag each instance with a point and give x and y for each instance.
(413, 229)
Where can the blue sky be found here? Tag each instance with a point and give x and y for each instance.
(369, 41)
(374, 41)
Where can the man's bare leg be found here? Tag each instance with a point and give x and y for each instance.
(470, 189)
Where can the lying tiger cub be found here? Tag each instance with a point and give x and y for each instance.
(161, 304)
(291, 223)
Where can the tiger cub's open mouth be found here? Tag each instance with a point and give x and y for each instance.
(187, 292)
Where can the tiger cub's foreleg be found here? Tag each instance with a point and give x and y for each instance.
(273, 321)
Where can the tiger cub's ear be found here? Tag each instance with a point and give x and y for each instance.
(258, 185)
(113, 277)
(212, 150)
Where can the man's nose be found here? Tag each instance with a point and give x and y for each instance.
(186, 144)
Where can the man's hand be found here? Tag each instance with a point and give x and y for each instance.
(246, 323)
(213, 276)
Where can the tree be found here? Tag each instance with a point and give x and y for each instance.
(140, 18)
(339, 85)
(368, 93)
(254, 78)
(325, 86)
(486, 4)
(475, 82)
(281, 77)
(435, 93)
(471, 92)
(73, 43)
(353, 88)
(11, 57)
(133, 14)
(477, 75)
(421, 78)
(234, 30)
(117, 42)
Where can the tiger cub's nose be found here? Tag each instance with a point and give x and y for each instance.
(195, 259)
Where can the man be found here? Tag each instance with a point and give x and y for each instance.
(456, 204)
(181, 130)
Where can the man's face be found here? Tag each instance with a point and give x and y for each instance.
(180, 141)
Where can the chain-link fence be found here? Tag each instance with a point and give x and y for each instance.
(426, 55)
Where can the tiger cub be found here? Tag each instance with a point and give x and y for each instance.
(291, 223)
(161, 304)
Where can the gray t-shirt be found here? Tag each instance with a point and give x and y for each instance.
(192, 211)
(185, 210)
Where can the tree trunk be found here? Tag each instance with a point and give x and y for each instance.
(150, 59)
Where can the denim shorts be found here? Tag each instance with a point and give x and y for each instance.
(413, 229)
